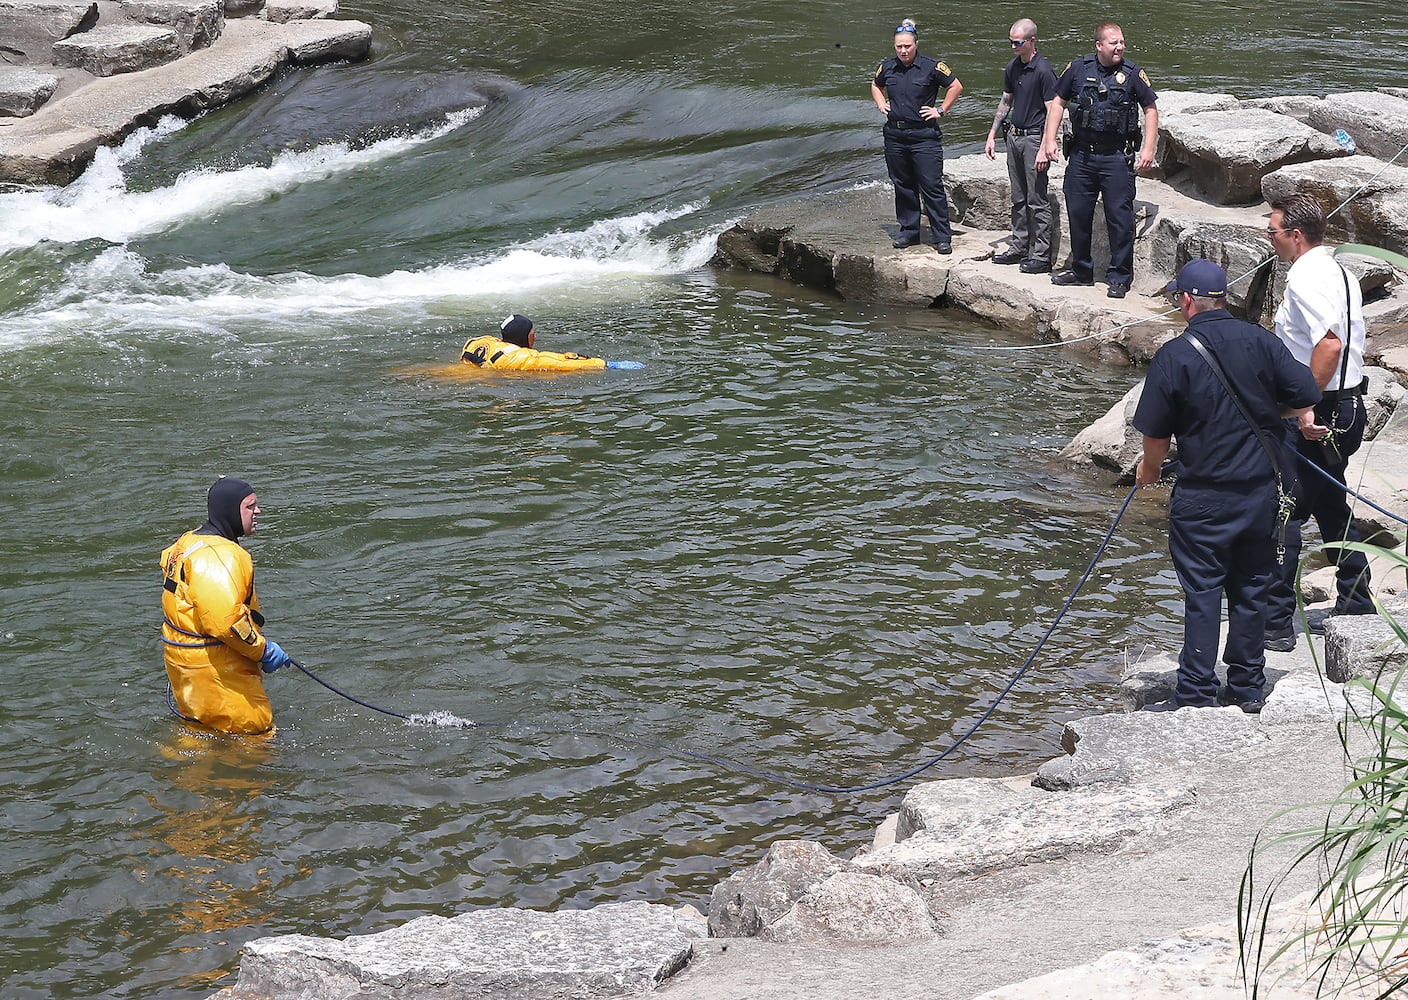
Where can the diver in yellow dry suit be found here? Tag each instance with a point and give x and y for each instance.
(211, 633)
(512, 350)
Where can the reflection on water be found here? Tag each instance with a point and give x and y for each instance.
(209, 800)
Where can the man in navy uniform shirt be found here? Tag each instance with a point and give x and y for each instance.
(906, 88)
(1028, 88)
(1105, 92)
(1225, 512)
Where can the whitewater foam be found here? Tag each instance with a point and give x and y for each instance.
(99, 205)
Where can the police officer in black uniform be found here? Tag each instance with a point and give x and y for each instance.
(906, 88)
(1105, 93)
(1224, 512)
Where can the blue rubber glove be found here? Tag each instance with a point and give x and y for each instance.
(274, 657)
(628, 365)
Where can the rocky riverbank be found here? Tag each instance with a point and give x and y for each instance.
(1220, 161)
(1114, 869)
(76, 76)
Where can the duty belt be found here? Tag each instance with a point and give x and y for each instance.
(1037, 130)
(1335, 395)
(1099, 147)
(909, 123)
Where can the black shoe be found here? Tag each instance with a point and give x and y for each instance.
(1070, 278)
(905, 241)
(944, 248)
(1251, 706)
(1034, 266)
(1281, 641)
(1315, 620)
(1117, 290)
(1009, 257)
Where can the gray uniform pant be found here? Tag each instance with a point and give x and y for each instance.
(1033, 219)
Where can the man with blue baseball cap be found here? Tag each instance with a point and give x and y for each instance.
(1222, 389)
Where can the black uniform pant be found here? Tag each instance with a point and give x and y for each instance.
(1221, 538)
(1091, 174)
(915, 160)
(1328, 503)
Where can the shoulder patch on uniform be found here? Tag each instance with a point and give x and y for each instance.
(1145, 77)
(879, 69)
(942, 67)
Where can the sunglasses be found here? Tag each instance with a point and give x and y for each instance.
(906, 28)
(1018, 44)
(1273, 232)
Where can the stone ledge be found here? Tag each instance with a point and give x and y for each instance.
(24, 91)
(616, 949)
(29, 29)
(56, 143)
(197, 23)
(109, 51)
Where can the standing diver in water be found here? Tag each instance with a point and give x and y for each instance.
(211, 633)
(512, 350)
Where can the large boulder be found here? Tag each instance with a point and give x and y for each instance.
(197, 23)
(29, 28)
(109, 51)
(1376, 212)
(617, 949)
(1378, 122)
(746, 902)
(1192, 102)
(1294, 106)
(1241, 251)
(1227, 153)
(851, 908)
(24, 91)
(1111, 442)
(1364, 646)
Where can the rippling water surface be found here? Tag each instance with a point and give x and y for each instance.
(809, 537)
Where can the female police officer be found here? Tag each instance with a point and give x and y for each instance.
(906, 88)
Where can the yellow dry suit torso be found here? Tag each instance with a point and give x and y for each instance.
(211, 634)
(491, 352)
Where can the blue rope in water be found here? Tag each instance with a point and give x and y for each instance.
(773, 776)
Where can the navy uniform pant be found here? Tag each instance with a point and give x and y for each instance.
(1033, 218)
(1328, 503)
(1221, 539)
(915, 160)
(1090, 175)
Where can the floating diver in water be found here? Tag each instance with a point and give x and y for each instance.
(512, 350)
(212, 632)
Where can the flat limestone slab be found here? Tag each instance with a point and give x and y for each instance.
(617, 949)
(109, 51)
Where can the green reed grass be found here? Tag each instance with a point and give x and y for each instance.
(1359, 852)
